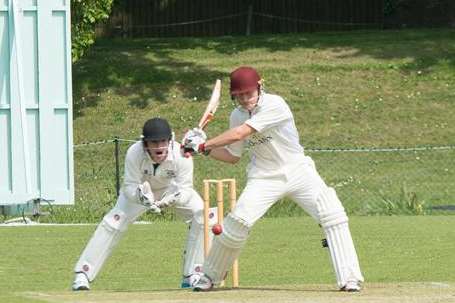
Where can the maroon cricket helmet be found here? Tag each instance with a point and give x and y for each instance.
(244, 79)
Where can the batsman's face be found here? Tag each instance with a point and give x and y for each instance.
(248, 100)
(158, 150)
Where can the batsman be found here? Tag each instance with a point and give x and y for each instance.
(157, 176)
(264, 124)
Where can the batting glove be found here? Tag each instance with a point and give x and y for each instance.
(194, 141)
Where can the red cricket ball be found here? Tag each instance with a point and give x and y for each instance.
(217, 229)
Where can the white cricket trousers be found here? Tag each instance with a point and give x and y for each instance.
(301, 183)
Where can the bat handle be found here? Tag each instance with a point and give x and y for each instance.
(206, 121)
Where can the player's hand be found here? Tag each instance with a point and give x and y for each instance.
(169, 199)
(194, 141)
(154, 208)
(195, 134)
(145, 195)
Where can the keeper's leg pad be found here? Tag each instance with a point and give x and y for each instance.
(99, 248)
(193, 255)
(334, 221)
(226, 248)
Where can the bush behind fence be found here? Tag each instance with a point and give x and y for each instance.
(368, 181)
(164, 18)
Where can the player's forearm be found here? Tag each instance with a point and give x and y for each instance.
(222, 154)
(131, 179)
(224, 139)
(130, 190)
(230, 136)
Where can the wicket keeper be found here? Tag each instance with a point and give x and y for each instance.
(156, 176)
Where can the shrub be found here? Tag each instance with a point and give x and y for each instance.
(84, 16)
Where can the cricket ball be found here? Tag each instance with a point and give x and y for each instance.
(217, 229)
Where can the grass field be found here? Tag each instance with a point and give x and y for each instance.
(378, 88)
(376, 292)
(404, 259)
(350, 89)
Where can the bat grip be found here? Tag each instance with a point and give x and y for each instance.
(206, 121)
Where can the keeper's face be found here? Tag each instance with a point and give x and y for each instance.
(157, 150)
(248, 100)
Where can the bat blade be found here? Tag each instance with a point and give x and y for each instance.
(211, 106)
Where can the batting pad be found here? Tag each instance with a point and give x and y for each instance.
(193, 255)
(99, 248)
(334, 221)
(226, 248)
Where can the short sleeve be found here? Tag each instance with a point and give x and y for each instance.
(273, 111)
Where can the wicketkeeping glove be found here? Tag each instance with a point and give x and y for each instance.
(145, 197)
(155, 209)
(169, 199)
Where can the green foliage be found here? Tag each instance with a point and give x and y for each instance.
(407, 203)
(392, 6)
(84, 16)
(350, 89)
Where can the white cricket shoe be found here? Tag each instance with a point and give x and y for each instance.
(190, 281)
(203, 284)
(351, 286)
(81, 282)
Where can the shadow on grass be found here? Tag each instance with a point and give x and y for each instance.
(150, 70)
(133, 74)
(276, 289)
(239, 289)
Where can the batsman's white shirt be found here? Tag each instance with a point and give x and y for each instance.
(275, 146)
(279, 169)
(175, 171)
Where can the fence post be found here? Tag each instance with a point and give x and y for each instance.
(117, 166)
(249, 19)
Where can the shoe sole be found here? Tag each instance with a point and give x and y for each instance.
(352, 290)
(349, 289)
(198, 289)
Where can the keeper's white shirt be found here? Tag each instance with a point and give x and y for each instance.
(275, 146)
(176, 171)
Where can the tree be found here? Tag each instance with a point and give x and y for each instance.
(84, 16)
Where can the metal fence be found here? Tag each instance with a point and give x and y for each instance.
(164, 18)
(368, 181)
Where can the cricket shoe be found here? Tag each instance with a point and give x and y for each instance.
(81, 282)
(190, 281)
(351, 286)
(203, 284)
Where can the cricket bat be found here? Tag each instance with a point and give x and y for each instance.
(212, 106)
